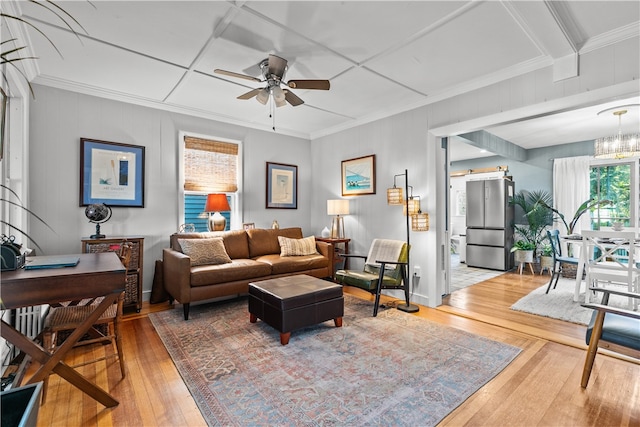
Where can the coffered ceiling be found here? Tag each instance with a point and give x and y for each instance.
(381, 57)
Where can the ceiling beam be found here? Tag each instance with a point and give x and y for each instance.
(501, 147)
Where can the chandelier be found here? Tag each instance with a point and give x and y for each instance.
(618, 146)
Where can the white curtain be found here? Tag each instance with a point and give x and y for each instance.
(571, 188)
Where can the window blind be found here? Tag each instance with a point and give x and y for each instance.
(210, 166)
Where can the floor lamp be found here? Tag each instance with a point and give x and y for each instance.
(395, 197)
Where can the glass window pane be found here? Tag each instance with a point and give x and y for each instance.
(611, 182)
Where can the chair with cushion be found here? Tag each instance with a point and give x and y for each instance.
(66, 318)
(385, 267)
(558, 258)
(613, 329)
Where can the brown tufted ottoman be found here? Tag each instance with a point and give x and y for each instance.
(294, 302)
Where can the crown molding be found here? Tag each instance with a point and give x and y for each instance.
(611, 37)
(158, 105)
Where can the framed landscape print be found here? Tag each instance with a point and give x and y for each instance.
(111, 173)
(359, 176)
(282, 186)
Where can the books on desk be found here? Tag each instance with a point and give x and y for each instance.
(51, 261)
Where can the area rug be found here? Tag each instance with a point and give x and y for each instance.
(394, 369)
(559, 304)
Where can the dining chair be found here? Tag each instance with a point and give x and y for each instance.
(63, 319)
(385, 267)
(611, 328)
(558, 258)
(610, 261)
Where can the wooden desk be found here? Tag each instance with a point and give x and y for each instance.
(96, 275)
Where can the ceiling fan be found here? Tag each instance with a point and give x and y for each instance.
(274, 69)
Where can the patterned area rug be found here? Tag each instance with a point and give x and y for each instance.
(395, 369)
(559, 304)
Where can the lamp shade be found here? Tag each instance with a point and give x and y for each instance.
(395, 196)
(420, 222)
(217, 203)
(414, 206)
(338, 207)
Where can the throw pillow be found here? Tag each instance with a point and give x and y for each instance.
(205, 251)
(297, 247)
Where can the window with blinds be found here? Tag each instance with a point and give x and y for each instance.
(210, 166)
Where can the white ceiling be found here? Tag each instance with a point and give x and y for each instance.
(381, 57)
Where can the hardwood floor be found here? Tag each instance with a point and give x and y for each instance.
(541, 387)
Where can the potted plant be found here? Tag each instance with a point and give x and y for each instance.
(536, 215)
(546, 258)
(587, 205)
(523, 251)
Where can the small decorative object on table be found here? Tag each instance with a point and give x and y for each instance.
(98, 213)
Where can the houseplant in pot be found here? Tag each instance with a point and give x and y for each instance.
(546, 258)
(532, 206)
(523, 251)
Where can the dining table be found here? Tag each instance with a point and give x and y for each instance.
(95, 275)
(576, 239)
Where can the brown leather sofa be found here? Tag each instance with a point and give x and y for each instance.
(254, 255)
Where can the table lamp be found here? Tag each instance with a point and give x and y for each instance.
(216, 203)
(337, 207)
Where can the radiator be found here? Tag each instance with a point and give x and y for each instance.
(27, 321)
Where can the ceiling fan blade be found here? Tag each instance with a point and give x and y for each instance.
(292, 99)
(250, 94)
(238, 75)
(309, 84)
(277, 65)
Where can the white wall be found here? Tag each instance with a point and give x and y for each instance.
(399, 143)
(60, 118)
(406, 141)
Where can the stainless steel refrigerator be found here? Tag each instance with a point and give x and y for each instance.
(490, 224)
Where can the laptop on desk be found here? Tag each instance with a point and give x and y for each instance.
(52, 261)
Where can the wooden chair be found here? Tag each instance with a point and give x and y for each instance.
(611, 328)
(611, 261)
(385, 267)
(106, 329)
(558, 258)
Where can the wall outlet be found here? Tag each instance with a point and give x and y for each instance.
(416, 270)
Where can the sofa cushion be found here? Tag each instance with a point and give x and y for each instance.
(205, 251)
(284, 265)
(235, 241)
(238, 269)
(297, 247)
(265, 241)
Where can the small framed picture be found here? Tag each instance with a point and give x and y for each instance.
(248, 225)
(111, 173)
(359, 176)
(282, 186)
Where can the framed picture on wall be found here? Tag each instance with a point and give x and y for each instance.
(111, 173)
(282, 186)
(359, 176)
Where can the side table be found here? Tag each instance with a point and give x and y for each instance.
(133, 289)
(341, 246)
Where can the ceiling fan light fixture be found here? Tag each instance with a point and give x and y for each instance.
(263, 96)
(278, 94)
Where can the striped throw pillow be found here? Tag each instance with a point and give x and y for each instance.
(297, 247)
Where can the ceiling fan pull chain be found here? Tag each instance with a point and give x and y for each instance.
(272, 112)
